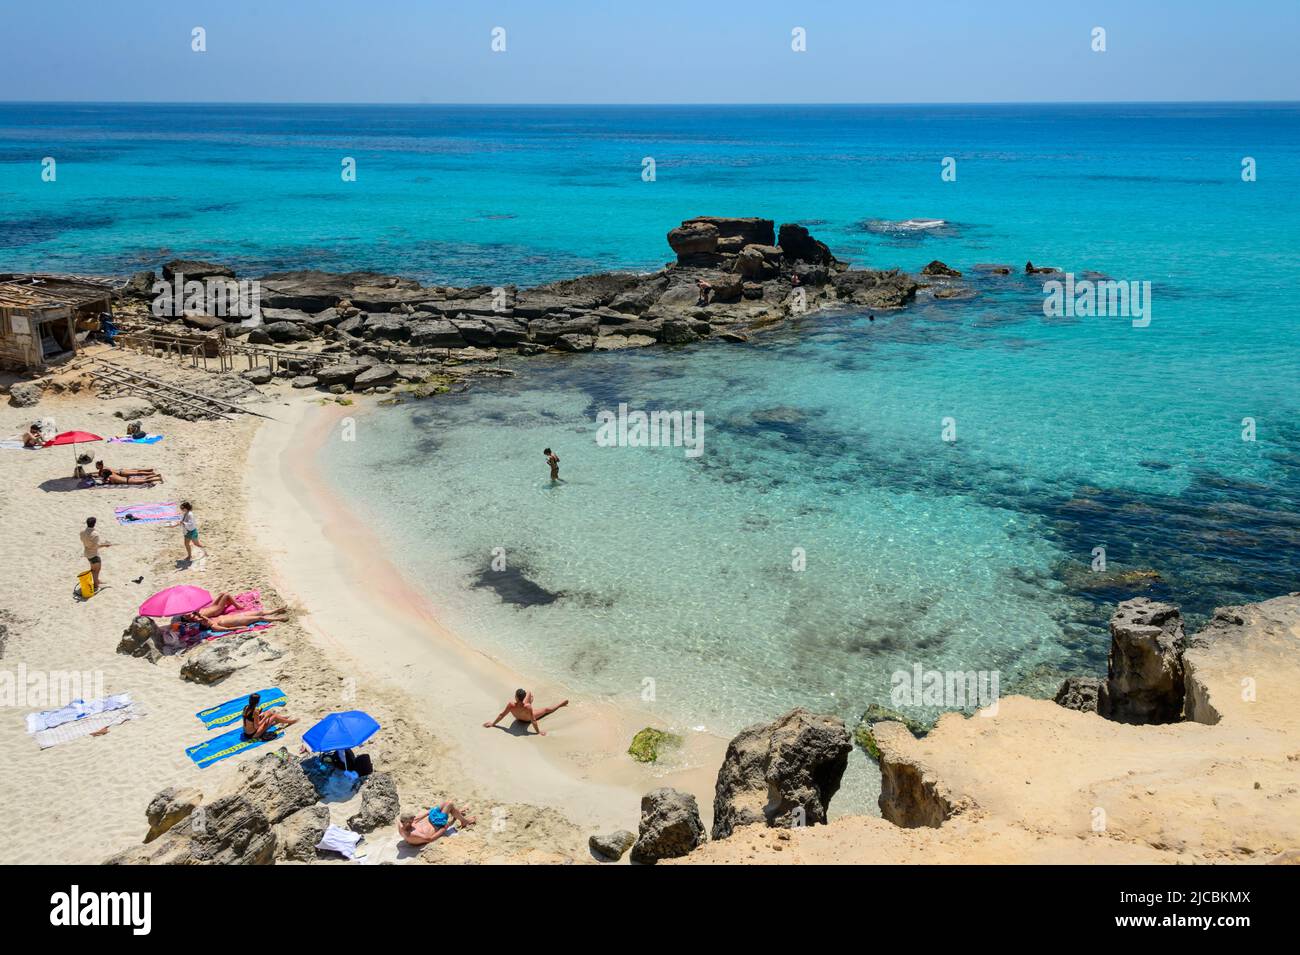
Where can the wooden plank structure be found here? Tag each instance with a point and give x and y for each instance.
(113, 377)
(44, 318)
(274, 357)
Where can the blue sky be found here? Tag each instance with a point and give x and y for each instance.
(668, 51)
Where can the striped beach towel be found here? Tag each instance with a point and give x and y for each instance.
(78, 729)
(222, 715)
(148, 513)
(224, 746)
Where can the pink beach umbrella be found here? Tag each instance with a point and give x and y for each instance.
(175, 601)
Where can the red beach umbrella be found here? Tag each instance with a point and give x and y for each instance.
(72, 437)
(175, 601)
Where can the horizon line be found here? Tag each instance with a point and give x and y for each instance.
(1115, 102)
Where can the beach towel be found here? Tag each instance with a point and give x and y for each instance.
(76, 710)
(340, 840)
(81, 728)
(226, 745)
(14, 444)
(147, 439)
(148, 514)
(222, 715)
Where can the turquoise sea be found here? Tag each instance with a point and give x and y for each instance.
(824, 437)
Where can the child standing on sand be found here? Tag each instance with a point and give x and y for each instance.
(191, 528)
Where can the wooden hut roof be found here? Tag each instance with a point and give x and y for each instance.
(40, 292)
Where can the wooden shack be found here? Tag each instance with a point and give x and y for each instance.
(44, 319)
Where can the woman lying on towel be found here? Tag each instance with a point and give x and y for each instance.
(109, 476)
(244, 618)
(257, 723)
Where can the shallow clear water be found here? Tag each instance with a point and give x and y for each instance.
(826, 436)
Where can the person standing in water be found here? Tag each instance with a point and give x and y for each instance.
(553, 460)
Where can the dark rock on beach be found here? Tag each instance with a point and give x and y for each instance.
(1144, 680)
(781, 774)
(670, 827)
(379, 804)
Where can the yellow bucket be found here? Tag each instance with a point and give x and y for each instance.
(87, 581)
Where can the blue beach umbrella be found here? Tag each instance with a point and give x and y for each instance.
(341, 731)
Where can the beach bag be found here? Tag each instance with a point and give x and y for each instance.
(362, 765)
(86, 582)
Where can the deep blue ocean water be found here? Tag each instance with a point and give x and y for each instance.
(825, 435)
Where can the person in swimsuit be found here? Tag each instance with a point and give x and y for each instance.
(222, 603)
(33, 438)
(553, 460)
(244, 618)
(256, 723)
(420, 830)
(147, 480)
(90, 545)
(124, 472)
(705, 291)
(521, 708)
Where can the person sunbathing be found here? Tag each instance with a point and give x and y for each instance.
(245, 618)
(420, 830)
(124, 472)
(222, 603)
(521, 708)
(257, 722)
(107, 476)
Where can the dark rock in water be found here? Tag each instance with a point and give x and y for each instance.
(379, 804)
(513, 587)
(670, 826)
(192, 270)
(647, 744)
(1079, 693)
(612, 845)
(1144, 682)
(733, 336)
(992, 268)
(874, 289)
(798, 245)
(781, 774)
(1031, 269)
(938, 268)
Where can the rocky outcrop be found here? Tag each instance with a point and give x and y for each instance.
(1079, 693)
(874, 289)
(611, 846)
(798, 245)
(670, 826)
(277, 783)
(910, 794)
(170, 807)
(781, 774)
(937, 268)
(142, 639)
(193, 270)
(24, 394)
(230, 830)
(227, 655)
(298, 835)
(379, 804)
(1145, 679)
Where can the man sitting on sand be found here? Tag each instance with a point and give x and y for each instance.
(256, 723)
(32, 437)
(425, 828)
(521, 708)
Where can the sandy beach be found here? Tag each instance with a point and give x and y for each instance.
(360, 637)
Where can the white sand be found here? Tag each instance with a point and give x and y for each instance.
(360, 629)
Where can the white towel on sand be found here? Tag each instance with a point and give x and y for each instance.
(84, 727)
(76, 710)
(338, 839)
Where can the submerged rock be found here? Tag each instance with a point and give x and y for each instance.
(864, 734)
(646, 744)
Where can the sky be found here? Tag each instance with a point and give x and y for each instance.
(664, 51)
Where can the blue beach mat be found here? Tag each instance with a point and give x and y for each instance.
(224, 746)
(216, 717)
